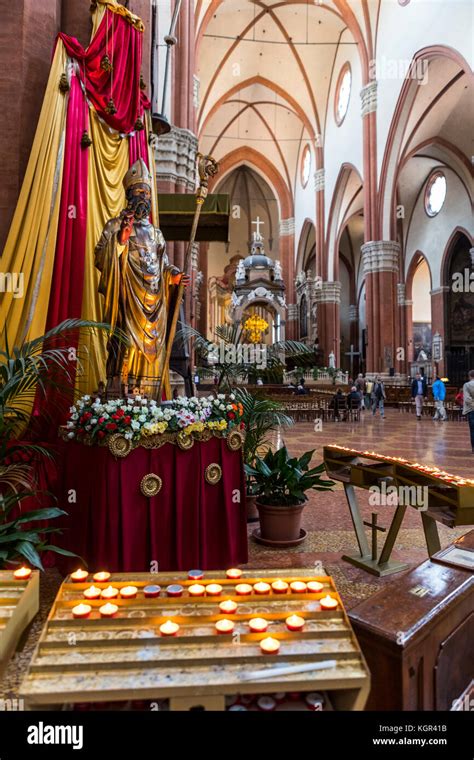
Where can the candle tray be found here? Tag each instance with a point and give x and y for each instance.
(121, 658)
(19, 603)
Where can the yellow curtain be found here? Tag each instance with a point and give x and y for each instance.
(31, 243)
(108, 164)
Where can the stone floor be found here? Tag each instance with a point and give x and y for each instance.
(326, 516)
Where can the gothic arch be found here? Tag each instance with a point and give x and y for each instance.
(337, 215)
(393, 156)
(302, 251)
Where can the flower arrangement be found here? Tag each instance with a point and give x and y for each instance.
(139, 417)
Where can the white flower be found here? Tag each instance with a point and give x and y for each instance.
(220, 396)
(232, 396)
(86, 398)
(142, 418)
(144, 402)
(135, 425)
(72, 409)
(106, 416)
(93, 421)
(152, 402)
(128, 436)
(210, 398)
(74, 416)
(88, 427)
(222, 407)
(138, 398)
(71, 435)
(70, 424)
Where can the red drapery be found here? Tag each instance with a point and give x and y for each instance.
(190, 523)
(123, 45)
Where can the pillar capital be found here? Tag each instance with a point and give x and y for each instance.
(380, 256)
(353, 313)
(368, 97)
(319, 179)
(328, 292)
(175, 158)
(287, 226)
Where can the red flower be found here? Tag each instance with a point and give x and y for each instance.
(120, 413)
(231, 416)
(101, 434)
(242, 425)
(101, 420)
(111, 426)
(127, 419)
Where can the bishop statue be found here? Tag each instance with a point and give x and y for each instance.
(136, 282)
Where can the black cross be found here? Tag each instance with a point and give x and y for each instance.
(375, 528)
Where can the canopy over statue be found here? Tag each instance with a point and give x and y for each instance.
(135, 281)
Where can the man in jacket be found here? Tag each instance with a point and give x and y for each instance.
(439, 394)
(468, 404)
(378, 397)
(418, 392)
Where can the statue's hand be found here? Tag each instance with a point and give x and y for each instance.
(127, 218)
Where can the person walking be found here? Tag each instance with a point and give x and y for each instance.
(419, 390)
(360, 387)
(369, 385)
(378, 397)
(468, 404)
(439, 394)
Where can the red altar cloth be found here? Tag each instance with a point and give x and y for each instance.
(189, 524)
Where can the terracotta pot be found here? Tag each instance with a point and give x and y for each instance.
(280, 523)
(252, 512)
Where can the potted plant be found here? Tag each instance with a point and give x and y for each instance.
(261, 417)
(281, 483)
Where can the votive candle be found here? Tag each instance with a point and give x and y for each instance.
(109, 593)
(174, 590)
(224, 626)
(229, 607)
(101, 577)
(213, 589)
(195, 575)
(151, 591)
(169, 628)
(262, 588)
(91, 593)
(196, 590)
(258, 625)
(294, 623)
(128, 592)
(243, 589)
(298, 587)
(269, 645)
(328, 603)
(78, 576)
(280, 587)
(22, 574)
(108, 610)
(315, 587)
(81, 610)
(234, 573)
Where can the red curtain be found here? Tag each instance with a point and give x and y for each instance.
(122, 43)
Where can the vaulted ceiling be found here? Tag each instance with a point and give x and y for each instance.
(265, 70)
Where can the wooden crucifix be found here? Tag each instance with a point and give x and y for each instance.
(352, 354)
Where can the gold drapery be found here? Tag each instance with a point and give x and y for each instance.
(100, 6)
(31, 243)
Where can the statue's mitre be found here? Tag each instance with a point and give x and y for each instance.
(137, 174)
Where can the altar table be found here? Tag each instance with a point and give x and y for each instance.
(190, 523)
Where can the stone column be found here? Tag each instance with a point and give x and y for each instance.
(143, 8)
(368, 96)
(405, 329)
(438, 320)
(76, 19)
(287, 261)
(328, 297)
(354, 326)
(380, 259)
(321, 259)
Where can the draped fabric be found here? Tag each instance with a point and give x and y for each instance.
(189, 523)
(71, 189)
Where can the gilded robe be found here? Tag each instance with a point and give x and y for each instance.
(135, 281)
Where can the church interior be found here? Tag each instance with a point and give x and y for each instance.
(237, 359)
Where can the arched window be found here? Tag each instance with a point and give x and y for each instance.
(435, 193)
(343, 94)
(306, 165)
(303, 317)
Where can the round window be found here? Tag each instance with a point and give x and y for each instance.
(343, 94)
(435, 193)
